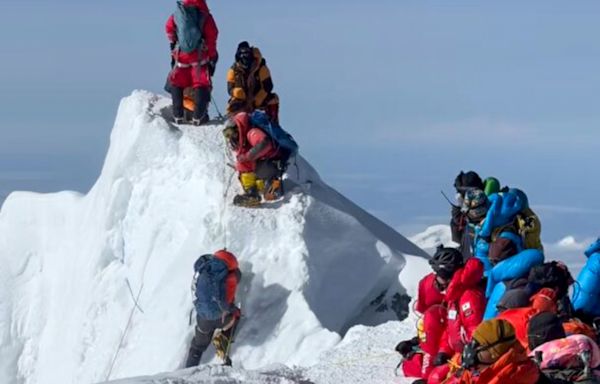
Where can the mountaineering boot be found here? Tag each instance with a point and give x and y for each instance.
(201, 121)
(177, 96)
(273, 190)
(221, 342)
(249, 199)
(202, 98)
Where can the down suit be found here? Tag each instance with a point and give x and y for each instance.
(586, 294)
(191, 69)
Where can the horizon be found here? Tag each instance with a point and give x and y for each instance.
(388, 101)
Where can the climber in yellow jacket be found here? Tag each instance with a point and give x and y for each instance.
(250, 85)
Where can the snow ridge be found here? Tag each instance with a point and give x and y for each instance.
(71, 264)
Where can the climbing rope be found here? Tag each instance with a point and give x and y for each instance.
(135, 305)
(135, 300)
(221, 117)
(226, 165)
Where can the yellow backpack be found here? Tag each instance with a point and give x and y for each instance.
(529, 228)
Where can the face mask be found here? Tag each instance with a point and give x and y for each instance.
(245, 58)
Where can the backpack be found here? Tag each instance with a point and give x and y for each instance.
(282, 140)
(530, 229)
(208, 287)
(573, 359)
(190, 22)
(527, 223)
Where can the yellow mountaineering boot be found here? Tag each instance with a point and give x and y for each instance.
(220, 342)
(260, 185)
(222, 345)
(250, 198)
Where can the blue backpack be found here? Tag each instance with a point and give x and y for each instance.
(283, 141)
(208, 287)
(190, 22)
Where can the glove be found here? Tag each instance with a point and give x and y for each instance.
(242, 158)
(212, 67)
(172, 44)
(440, 359)
(406, 347)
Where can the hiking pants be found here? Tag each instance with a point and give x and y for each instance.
(267, 170)
(203, 336)
(201, 100)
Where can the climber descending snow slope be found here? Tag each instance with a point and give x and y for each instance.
(70, 264)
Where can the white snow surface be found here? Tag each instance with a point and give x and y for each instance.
(433, 236)
(365, 356)
(71, 266)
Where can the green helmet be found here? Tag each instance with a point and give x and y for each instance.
(491, 185)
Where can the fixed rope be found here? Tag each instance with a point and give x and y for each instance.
(226, 165)
(212, 99)
(135, 306)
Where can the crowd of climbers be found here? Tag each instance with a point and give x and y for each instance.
(494, 310)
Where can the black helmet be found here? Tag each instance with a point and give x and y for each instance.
(446, 261)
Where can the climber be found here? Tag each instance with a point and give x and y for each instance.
(463, 306)
(261, 158)
(465, 300)
(561, 358)
(192, 33)
(543, 301)
(249, 84)
(418, 352)
(214, 285)
(462, 233)
(495, 356)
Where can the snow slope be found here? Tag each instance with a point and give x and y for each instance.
(365, 355)
(71, 265)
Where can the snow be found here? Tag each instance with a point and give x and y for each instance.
(96, 287)
(365, 356)
(433, 236)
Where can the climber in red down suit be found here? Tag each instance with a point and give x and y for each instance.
(453, 302)
(192, 67)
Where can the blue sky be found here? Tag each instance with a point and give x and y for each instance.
(389, 99)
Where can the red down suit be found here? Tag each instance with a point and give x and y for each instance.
(193, 70)
(249, 138)
(465, 299)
